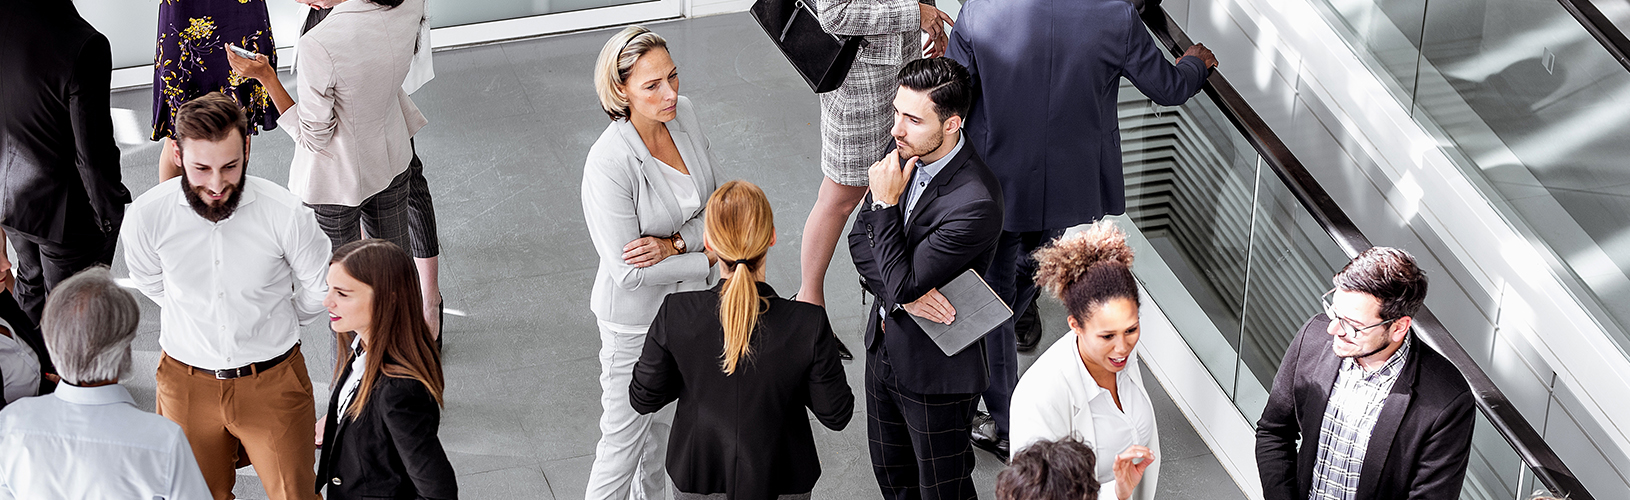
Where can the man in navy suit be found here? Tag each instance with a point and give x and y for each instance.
(927, 220)
(1045, 76)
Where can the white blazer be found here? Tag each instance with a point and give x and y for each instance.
(625, 197)
(1055, 399)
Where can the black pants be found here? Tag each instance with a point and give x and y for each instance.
(1009, 276)
(919, 442)
(42, 264)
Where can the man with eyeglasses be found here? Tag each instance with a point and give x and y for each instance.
(1379, 414)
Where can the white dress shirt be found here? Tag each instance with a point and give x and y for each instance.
(92, 442)
(19, 366)
(227, 289)
(1058, 397)
(353, 380)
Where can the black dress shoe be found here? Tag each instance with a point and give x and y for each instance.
(843, 350)
(984, 436)
(1027, 329)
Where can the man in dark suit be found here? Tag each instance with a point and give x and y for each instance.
(62, 201)
(1379, 414)
(924, 223)
(1046, 75)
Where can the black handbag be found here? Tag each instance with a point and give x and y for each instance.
(822, 58)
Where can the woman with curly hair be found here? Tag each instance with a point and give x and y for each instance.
(1081, 387)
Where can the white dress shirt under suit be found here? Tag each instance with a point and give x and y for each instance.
(233, 292)
(1057, 397)
(19, 366)
(92, 442)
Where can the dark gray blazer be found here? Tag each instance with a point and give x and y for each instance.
(58, 162)
(1418, 448)
(1046, 75)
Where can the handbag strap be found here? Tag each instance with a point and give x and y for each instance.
(788, 26)
(801, 6)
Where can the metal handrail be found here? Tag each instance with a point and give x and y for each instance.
(1530, 446)
(1601, 28)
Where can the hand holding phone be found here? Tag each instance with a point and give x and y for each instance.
(242, 52)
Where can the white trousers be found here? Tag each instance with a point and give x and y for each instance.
(629, 461)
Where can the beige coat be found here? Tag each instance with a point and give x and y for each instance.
(352, 123)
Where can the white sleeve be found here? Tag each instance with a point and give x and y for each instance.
(186, 481)
(307, 249)
(141, 256)
(1037, 412)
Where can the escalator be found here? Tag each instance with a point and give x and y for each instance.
(1237, 240)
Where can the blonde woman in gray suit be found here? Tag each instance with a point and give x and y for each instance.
(644, 186)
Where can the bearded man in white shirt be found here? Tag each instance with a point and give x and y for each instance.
(238, 264)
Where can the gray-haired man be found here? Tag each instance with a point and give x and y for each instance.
(88, 440)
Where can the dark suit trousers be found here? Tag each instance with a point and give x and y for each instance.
(1010, 276)
(42, 264)
(919, 442)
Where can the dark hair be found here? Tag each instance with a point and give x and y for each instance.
(1050, 470)
(1088, 269)
(946, 82)
(210, 117)
(398, 339)
(1388, 274)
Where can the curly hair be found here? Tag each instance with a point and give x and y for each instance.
(1087, 269)
(1050, 470)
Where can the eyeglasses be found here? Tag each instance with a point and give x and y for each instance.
(1349, 327)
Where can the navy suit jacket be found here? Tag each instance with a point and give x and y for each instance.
(1046, 74)
(953, 228)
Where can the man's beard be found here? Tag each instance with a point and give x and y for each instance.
(906, 154)
(215, 213)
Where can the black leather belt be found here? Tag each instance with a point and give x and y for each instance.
(250, 369)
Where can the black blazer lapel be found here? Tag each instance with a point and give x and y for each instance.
(1392, 414)
(915, 229)
(1315, 397)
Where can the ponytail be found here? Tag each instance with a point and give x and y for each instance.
(1088, 269)
(740, 229)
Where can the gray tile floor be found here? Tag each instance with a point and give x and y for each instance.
(510, 125)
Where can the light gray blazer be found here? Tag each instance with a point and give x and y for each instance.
(625, 197)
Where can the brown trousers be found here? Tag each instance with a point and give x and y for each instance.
(269, 415)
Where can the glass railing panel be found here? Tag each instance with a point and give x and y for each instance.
(1291, 261)
(1531, 108)
(1494, 471)
(1189, 187)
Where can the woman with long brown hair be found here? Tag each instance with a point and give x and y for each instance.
(742, 353)
(383, 415)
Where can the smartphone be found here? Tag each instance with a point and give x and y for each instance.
(242, 52)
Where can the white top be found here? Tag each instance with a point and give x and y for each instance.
(227, 289)
(1058, 398)
(683, 187)
(353, 381)
(19, 366)
(92, 442)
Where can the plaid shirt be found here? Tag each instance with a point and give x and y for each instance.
(1344, 437)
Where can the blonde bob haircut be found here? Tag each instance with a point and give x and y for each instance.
(616, 61)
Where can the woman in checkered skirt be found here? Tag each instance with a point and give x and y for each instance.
(856, 118)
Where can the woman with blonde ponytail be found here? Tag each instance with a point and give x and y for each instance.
(743, 364)
(1086, 385)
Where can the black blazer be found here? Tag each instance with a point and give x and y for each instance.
(390, 450)
(57, 157)
(1418, 448)
(953, 228)
(746, 434)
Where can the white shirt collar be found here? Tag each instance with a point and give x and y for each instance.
(94, 396)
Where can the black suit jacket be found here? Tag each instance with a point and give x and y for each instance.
(58, 163)
(744, 434)
(953, 228)
(390, 450)
(1419, 446)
